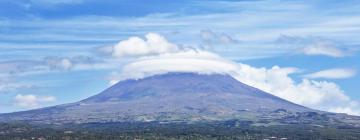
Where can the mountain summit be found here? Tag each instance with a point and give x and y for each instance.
(174, 97)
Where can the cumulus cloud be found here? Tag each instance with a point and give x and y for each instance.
(323, 48)
(32, 101)
(153, 44)
(347, 110)
(338, 73)
(323, 95)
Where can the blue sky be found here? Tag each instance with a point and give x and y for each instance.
(49, 49)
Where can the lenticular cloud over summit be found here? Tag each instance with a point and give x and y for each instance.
(202, 62)
(323, 95)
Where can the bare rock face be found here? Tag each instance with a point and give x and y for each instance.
(175, 97)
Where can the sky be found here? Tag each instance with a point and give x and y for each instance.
(61, 51)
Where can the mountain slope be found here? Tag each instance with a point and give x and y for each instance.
(173, 97)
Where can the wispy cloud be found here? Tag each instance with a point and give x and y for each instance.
(315, 46)
(51, 64)
(255, 30)
(7, 87)
(54, 2)
(338, 73)
(323, 48)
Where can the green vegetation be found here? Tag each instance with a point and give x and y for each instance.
(155, 130)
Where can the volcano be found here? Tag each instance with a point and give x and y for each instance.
(174, 97)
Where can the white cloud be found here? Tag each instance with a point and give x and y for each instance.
(323, 48)
(347, 110)
(32, 101)
(338, 73)
(316, 94)
(134, 46)
(184, 61)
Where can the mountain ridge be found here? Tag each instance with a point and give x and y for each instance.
(173, 97)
